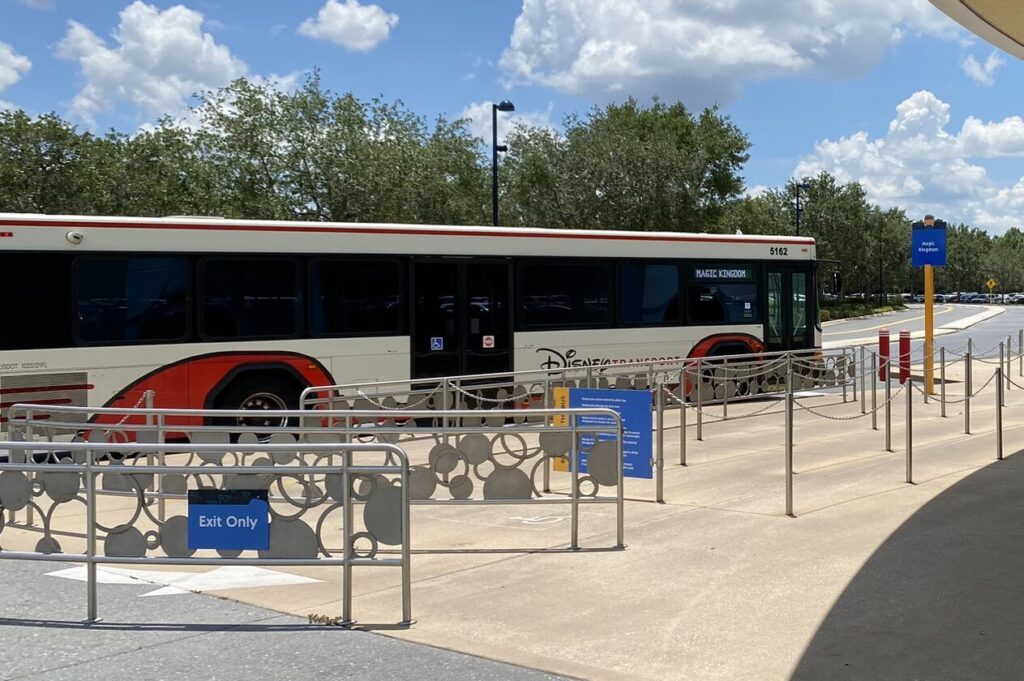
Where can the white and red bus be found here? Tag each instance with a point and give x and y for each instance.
(215, 313)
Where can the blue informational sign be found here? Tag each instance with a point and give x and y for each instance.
(436, 343)
(927, 247)
(634, 406)
(228, 519)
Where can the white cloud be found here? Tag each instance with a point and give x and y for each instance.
(12, 66)
(920, 166)
(702, 51)
(982, 74)
(480, 120)
(358, 28)
(40, 4)
(160, 60)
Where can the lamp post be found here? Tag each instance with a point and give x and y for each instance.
(799, 186)
(505, 106)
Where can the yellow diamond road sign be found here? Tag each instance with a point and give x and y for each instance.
(991, 283)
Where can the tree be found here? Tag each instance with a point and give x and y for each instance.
(313, 155)
(625, 167)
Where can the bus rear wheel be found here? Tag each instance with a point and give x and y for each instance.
(259, 394)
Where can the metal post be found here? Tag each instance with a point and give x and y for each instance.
(888, 410)
(445, 408)
(942, 381)
(725, 389)
(90, 538)
(910, 430)
(406, 548)
(789, 436)
(968, 370)
(620, 497)
(29, 437)
(1020, 349)
(161, 437)
(698, 385)
(863, 383)
(846, 373)
(346, 587)
(874, 391)
(851, 372)
(999, 414)
(929, 383)
(574, 462)
(547, 462)
(1001, 358)
(660, 453)
(682, 433)
(1009, 363)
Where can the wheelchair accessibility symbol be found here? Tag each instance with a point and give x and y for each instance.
(436, 343)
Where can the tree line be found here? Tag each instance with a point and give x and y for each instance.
(251, 150)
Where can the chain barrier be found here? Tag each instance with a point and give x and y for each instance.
(892, 397)
(972, 395)
(487, 400)
(703, 412)
(124, 419)
(385, 407)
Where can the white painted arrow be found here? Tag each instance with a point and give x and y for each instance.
(172, 583)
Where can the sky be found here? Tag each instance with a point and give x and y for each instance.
(889, 93)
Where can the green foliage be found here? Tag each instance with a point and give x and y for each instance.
(625, 167)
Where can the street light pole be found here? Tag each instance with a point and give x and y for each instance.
(495, 148)
(799, 186)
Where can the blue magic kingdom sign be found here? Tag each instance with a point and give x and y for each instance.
(928, 244)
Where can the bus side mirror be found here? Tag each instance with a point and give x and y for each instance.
(837, 282)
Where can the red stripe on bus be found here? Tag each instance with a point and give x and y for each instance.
(47, 388)
(556, 234)
(53, 401)
(35, 417)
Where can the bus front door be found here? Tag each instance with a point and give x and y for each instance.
(461, 318)
(790, 316)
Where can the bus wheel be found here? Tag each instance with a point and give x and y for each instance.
(258, 394)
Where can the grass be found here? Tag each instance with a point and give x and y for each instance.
(831, 311)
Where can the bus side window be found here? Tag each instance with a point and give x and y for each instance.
(131, 299)
(249, 298)
(36, 291)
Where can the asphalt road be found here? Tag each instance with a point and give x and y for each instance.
(193, 636)
(986, 335)
(911, 319)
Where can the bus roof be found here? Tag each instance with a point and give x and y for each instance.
(32, 232)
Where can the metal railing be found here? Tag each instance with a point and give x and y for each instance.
(477, 461)
(69, 470)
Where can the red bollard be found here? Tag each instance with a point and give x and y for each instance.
(883, 354)
(904, 356)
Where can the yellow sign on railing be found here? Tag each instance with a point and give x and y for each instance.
(560, 397)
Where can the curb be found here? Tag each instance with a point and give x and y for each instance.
(945, 330)
(863, 316)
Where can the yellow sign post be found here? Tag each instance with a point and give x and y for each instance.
(927, 250)
(929, 329)
(991, 284)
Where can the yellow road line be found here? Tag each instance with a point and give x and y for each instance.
(949, 308)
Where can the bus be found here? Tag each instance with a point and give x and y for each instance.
(242, 314)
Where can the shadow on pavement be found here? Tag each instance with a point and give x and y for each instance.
(942, 598)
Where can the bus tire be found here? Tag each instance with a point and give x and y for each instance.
(257, 392)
